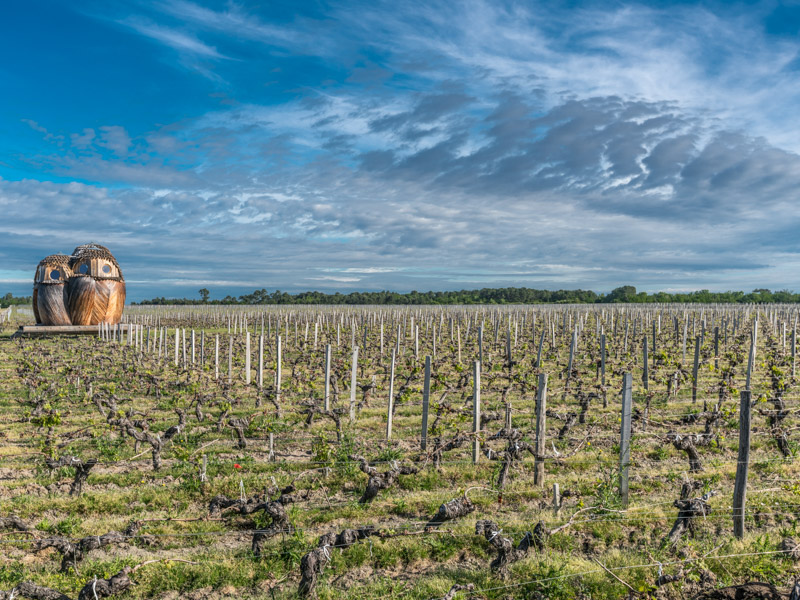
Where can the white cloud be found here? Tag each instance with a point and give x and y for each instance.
(173, 38)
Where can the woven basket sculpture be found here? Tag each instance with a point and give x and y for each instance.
(50, 290)
(96, 290)
(86, 288)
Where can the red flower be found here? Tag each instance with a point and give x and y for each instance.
(237, 466)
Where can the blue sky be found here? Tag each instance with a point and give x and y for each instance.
(403, 145)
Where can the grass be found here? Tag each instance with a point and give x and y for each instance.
(45, 406)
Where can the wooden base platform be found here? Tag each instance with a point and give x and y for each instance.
(42, 330)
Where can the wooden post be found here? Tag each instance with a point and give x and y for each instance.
(572, 345)
(625, 437)
(480, 344)
(278, 369)
(476, 411)
(216, 357)
(391, 397)
(426, 398)
(327, 399)
(539, 352)
(696, 368)
(556, 498)
(353, 385)
(261, 361)
(230, 359)
(645, 372)
(654, 342)
(193, 347)
(177, 345)
(794, 349)
(541, 428)
(685, 333)
(247, 358)
(751, 359)
(625, 345)
(603, 368)
(716, 349)
(743, 464)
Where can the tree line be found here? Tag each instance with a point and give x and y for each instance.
(514, 295)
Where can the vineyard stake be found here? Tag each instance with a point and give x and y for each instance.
(216, 357)
(645, 372)
(603, 368)
(327, 399)
(539, 352)
(476, 411)
(751, 358)
(426, 397)
(230, 359)
(572, 345)
(278, 370)
(261, 361)
(695, 368)
(685, 333)
(625, 437)
(740, 485)
(541, 428)
(247, 358)
(353, 385)
(391, 396)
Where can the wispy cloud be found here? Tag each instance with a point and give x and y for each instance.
(184, 43)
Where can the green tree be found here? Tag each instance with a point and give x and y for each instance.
(626, 293)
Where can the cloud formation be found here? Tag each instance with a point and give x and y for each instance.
(469, 145)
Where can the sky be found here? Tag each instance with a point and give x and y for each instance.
(354, 146)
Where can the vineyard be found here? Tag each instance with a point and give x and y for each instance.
(481, 452)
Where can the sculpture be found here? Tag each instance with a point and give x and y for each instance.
(86, 288)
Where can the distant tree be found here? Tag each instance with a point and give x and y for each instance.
(204, 294)
(626, 293)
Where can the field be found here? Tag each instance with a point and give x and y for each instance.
(134, 468)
